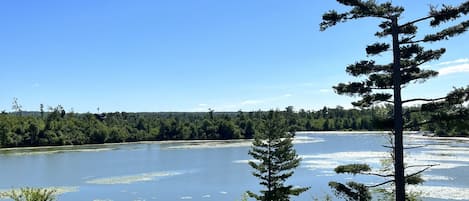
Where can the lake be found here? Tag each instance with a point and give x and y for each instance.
(218, 170)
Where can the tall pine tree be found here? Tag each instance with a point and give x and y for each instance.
(384, 82)
(275, 159)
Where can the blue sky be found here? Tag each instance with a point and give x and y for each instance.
(191, 55)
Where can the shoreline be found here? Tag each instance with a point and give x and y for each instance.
(342, 132)
(440, 138)
(353, 132)
(413, 134)
(116, 143)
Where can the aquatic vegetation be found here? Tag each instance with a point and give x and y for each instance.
(28, 152)
(442, 192)
(129, 179)
(306, 140)
(436, 178)
(325, 161)
(211, 144)
(234, 143)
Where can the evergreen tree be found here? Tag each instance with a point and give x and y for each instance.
(408, 56)
(276, 160)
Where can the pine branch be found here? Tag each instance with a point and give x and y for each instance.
(444, 34)
(377, 48)
(448, 13)
(369, 99)
(448, 32)
(360, 9)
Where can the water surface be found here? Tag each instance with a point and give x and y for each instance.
(218, 170)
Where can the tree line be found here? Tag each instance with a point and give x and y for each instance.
(58, 127)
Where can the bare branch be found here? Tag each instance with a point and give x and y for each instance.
(411, 125)
(376, 88)
(413, 42)
(415, 21)
(377, 174)
(423, 170)
(380, 184)
(424, 99)
(428, 166)
(410, 110)
(407, 176)
(416, 147)
(390, 147)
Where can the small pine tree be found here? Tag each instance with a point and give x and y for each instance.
(275, 160)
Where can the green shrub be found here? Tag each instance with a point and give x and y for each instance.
(30, 194)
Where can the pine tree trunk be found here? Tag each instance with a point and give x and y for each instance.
(398, 121)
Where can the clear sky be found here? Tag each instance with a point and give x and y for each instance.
(191, 55)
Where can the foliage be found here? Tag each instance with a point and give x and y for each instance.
(57, 127)
(30, 194)
(275, 160)
(245, 197)
(327, 197)
(352, 191)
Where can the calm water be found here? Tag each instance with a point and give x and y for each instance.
(218, 171)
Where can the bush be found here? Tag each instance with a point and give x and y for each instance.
(30, 194)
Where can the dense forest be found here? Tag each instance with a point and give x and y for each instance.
(58, 127)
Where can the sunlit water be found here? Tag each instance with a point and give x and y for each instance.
(218, 171)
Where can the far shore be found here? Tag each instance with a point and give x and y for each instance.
(413, 134)
(118, 143)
